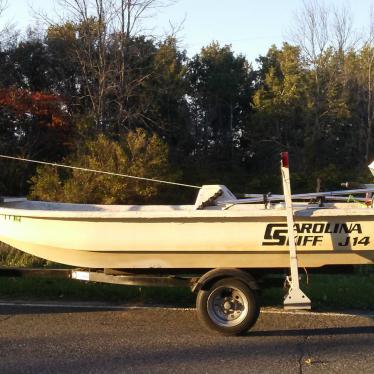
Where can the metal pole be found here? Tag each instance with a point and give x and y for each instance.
(295, 298)
(258, 198)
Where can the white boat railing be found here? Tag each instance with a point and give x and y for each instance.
(339, 195)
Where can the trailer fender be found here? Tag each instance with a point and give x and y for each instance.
(212, 276)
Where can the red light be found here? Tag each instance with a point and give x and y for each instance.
(284, 158)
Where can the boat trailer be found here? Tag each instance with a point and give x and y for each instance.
(223, 294)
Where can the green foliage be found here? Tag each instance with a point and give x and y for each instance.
(219, 86)
(280, 103)
(332, 291)
(215, 119)
(326, 291)
(63, 289)
(138, 153)
(14, 258)
(47, 184)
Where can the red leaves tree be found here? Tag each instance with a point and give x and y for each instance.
(46, 109)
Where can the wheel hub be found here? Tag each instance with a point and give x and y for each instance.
(227, 306)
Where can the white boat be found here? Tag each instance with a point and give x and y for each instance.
(217, 231)
(218, 240)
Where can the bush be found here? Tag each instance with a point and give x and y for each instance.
(13, 257)
(138, 154)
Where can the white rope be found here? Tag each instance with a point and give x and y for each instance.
(99, 171)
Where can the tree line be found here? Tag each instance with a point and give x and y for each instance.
(94, 90)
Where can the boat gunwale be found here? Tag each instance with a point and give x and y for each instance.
(217, 213)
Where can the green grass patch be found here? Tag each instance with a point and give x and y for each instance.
(12, 257)
(326, 292)
(351, 291)
(73, 290)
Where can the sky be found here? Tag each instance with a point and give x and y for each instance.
(250, 26)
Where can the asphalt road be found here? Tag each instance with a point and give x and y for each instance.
(76, 340)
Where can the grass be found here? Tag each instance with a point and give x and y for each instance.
(13, 257)
(353, 291)
(325, 291)
(72, 290)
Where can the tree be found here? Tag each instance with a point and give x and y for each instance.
(313, 30)
(165, 98)
(367, 79)
(7, 34)
(220, 89)
(138, 153)
(32, 125)
(104, 45)
(280, 105)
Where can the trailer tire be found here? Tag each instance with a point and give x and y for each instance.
(229, 306)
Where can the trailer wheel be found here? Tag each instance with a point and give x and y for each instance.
(229, 307)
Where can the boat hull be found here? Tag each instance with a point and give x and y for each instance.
(200, 239)
(192, 260)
